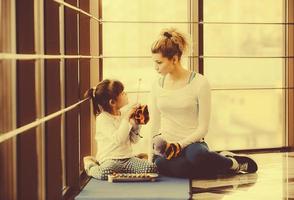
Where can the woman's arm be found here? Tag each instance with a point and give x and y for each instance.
(154, 120)
(204, 102)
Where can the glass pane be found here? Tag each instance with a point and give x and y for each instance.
(145, 10)
(129, 71)
(244, 11)
(121, 39)
(245, 73)
(244, 40)
(247, 119)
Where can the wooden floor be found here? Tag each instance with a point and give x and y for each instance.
(273, 181)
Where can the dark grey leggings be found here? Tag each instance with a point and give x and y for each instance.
(195, 161)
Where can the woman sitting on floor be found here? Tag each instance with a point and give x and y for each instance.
(180, 113)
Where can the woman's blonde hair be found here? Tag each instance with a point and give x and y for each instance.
(170, 43)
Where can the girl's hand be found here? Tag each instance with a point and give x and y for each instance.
(133, 122)
(131, 111)
(127, 112)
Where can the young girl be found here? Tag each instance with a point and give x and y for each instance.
(180, 113)
(115, 132)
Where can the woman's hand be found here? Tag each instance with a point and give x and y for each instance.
(172, 150)
(165, 149)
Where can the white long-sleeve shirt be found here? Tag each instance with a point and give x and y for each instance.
(114, 136)
(181, 115)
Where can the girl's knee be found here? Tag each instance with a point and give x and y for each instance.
(151, 168)
(101, 174)
(143, 166)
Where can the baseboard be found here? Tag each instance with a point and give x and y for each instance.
(264, 150)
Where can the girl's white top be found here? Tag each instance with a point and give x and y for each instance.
(114, 136)
(181, 115)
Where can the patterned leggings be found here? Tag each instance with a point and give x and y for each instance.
(128, 165)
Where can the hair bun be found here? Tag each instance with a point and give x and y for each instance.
(167, 34)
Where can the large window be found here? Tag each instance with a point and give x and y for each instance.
(243, 49)
(247, 72)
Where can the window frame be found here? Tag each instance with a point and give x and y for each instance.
(290, 74)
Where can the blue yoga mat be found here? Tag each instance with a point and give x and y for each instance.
(164, 188)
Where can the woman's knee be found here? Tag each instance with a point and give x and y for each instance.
(161, 164)
(159, 161)
(196, 152)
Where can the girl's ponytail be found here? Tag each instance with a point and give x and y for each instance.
(91, 93)
(100, 95)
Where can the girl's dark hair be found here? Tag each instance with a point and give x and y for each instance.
(170, 43)
(104, 92)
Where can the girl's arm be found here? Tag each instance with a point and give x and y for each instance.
(107, 128)
(154, 120)
(121, 135)
(203, 115)
(135, 134)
